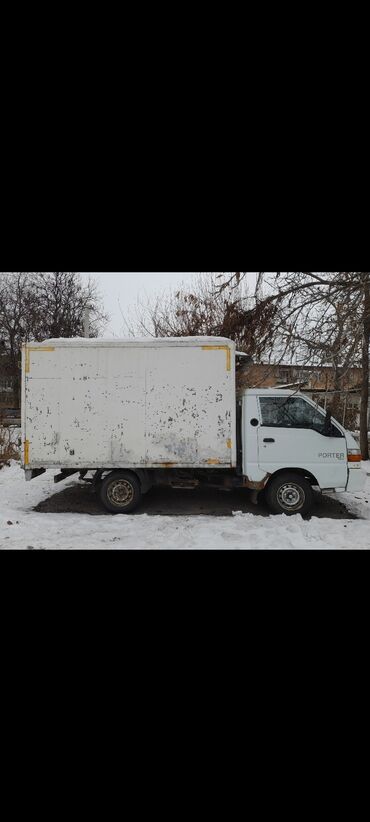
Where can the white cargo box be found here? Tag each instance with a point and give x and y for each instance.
(129, 403)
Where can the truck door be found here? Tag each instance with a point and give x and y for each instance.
(293, 434)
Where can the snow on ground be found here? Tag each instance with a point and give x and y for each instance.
(22, 528)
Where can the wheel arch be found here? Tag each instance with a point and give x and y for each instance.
(300, 471)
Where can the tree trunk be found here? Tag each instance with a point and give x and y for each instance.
(364, 423)
(336, 399)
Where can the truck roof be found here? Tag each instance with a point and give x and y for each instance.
(152, 342)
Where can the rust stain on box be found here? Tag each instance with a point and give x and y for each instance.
(28, 349)
(220, 348)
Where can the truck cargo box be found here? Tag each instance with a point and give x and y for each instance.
(129, 403)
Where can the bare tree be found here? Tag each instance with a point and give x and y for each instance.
(37, 306)
(62, 300)
(323, 316)
(18, 311)
(203, 310)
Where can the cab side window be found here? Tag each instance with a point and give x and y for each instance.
(294, 412)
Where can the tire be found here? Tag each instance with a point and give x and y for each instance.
(289, 494)
(120, 492)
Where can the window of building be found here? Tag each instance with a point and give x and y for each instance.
(284, 375)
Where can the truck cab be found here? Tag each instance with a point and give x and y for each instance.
(290, 445)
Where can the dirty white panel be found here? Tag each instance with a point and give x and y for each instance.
(189, 406)
(150, 402)
(42, 420)
(104, 407)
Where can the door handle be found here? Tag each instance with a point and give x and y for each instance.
(268, 440)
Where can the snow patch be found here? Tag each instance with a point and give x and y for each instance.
(23, 528)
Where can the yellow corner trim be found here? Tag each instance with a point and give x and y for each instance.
(220, 348)
(26, 452)
(28, 349)
(229, 444)
(213, 462)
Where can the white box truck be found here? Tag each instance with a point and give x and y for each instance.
(130, 414)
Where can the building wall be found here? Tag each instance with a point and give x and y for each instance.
(268, 376)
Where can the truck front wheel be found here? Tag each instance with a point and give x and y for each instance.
(120, 492)
(289, 493)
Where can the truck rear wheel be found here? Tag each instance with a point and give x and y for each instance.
(120, 492)
(289, 493)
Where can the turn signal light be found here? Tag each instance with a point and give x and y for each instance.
(354, 455)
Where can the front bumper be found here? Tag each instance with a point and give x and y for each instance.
(356, 479)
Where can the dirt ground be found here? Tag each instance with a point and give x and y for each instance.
(78, 497)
